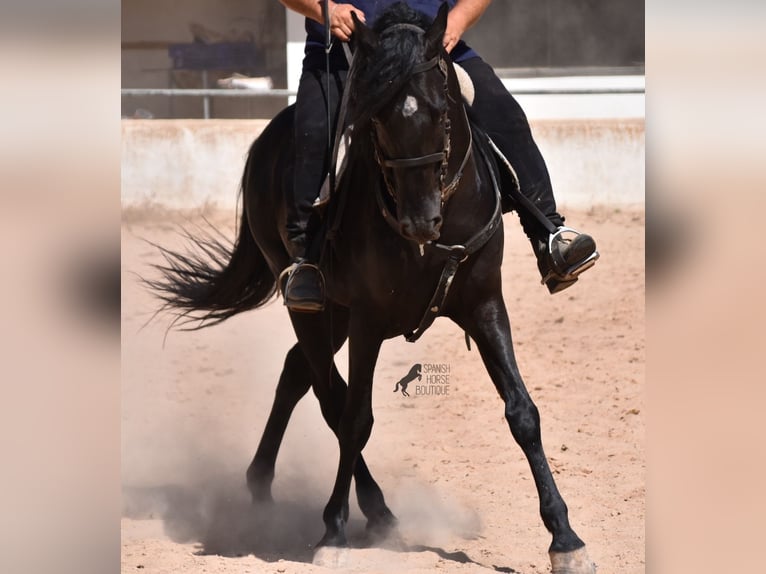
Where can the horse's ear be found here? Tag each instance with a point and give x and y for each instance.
(365, 37)
(435, 34)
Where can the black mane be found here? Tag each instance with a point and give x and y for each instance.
(383, 73)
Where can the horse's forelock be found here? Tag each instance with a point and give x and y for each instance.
(385, 72)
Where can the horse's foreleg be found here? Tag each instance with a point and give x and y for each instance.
(331, 394)
(370, 497)
(332, 398)
(354, 427)
(380, 519)
(488, 325)
(294, 383)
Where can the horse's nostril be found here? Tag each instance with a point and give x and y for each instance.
(421, 229)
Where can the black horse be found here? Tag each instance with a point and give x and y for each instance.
(415, 232)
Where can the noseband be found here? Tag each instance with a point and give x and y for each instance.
(440, 157)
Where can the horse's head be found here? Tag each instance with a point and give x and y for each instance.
(401, 93)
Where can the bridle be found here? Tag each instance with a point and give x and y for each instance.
(442, 157)
(455, 253)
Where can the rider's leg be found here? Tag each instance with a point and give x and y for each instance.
(559, 259)
(303, 290)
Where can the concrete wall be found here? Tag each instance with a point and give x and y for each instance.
(183, 164)
(594, 161)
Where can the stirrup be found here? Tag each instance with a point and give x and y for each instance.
(307, 305)
(286, 272)
(562, 274)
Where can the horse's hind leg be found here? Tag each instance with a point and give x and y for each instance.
(488, 325)
(294, 382)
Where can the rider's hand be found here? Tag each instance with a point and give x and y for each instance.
(341, 23)
(456, 27)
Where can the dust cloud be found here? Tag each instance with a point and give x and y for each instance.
(193, 412)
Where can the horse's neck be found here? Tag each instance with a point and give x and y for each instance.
(473, 201)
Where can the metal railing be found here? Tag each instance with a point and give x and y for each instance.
(208, 93)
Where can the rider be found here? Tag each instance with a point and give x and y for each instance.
(559, 260)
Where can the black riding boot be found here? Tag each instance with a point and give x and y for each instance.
(302, 282)
(563, 256)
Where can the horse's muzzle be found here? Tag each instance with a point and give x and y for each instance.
(420, 229)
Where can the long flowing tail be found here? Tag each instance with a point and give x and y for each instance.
(215, 281)
(218, 279)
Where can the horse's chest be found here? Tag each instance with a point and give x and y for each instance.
(397, 288)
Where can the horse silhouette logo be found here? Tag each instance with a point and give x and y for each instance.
(415, 373)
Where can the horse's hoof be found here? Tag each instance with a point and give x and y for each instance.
(574, 562)
(331, 557)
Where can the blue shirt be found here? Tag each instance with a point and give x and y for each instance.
(315, 31)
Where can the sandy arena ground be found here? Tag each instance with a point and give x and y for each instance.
(194, 406)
